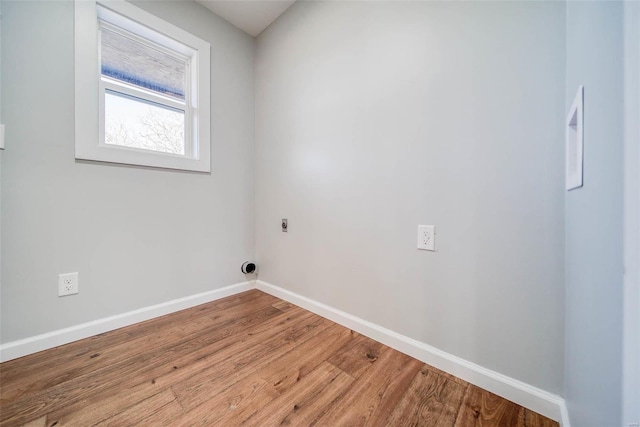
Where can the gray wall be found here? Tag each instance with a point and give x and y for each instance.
(1, 155)
(1, 151)
(137, 236)
(631, 296)
(594, 218)
(374, 117)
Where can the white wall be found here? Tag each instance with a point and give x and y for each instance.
(594, 218)
(374, 117)
(631, 296)
(1, 151)
(137, 236)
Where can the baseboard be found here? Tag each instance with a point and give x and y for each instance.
(564, 414)
(15, 349)
(543, 402)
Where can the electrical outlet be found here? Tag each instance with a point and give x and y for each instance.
(427, 237)
(285, 225)
(67, 284)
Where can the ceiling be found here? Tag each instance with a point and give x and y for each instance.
(251, 16)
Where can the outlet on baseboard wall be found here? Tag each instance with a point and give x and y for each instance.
(67, 284)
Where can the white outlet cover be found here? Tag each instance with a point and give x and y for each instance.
(67, 284)
(427, 237)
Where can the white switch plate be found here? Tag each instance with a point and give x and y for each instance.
(1, 137)
(67, 284)
(427, 237)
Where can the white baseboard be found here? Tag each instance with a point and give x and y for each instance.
(564, 414)
(533, 398)
(15, 349)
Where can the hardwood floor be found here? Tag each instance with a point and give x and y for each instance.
(247, 359)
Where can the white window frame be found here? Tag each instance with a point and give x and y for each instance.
(90, 87)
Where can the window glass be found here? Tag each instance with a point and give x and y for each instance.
(137, 123)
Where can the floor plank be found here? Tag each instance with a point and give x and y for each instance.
(431, 400)
(258, 384)
(358, 355)
(374, 395)
(236, 402)
(135, 414)
(300, 405)
(40, 422)
(247, 359)
(289, 369)
(210, 382)
(482, 408)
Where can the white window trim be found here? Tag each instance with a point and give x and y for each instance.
(87, 92)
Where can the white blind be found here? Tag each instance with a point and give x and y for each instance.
(138, 62)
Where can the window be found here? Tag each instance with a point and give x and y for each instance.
(142, 89)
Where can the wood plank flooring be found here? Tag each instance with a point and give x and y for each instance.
(249, 359)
